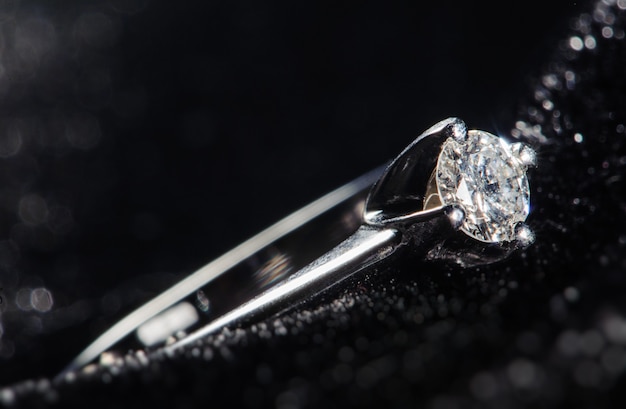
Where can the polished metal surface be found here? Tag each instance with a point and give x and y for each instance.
(330, 218)
(313, 249)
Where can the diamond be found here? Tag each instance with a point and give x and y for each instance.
(483, 175)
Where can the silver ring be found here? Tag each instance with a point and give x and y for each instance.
(453, 195)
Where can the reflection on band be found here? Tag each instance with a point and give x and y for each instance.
(275, 269)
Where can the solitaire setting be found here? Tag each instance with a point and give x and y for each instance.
(486, 177)
(452, 195)
(476, 179)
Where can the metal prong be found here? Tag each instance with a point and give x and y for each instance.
(524, 236)
(459, 130)
(456, 215)
(525, 154)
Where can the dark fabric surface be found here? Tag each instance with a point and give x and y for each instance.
(135, 137)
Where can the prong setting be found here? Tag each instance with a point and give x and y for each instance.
(456, 216)
(485, 176)
(459, 130)
(524, 235)
(525, 154)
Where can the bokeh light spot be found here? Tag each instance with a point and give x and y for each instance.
(41, 299)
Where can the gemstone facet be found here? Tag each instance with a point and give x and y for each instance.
(482, 174)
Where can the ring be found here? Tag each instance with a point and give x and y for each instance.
(453, 195)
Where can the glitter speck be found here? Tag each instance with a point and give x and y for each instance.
(578, 138)
(576, 43)
(590, 42)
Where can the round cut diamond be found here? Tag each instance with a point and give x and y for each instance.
(481, 174)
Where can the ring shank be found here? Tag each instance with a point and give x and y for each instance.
(249, 269)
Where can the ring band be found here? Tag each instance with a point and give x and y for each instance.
(213, 287)
(452, 195)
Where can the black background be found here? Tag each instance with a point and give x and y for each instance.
(217, 118)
